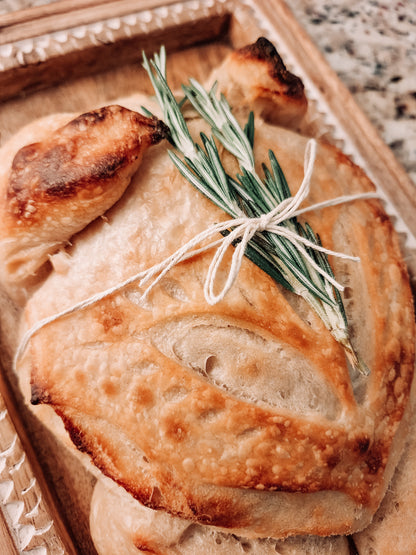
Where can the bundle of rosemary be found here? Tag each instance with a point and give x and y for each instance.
(270, 235)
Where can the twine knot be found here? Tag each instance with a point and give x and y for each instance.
(262, 222)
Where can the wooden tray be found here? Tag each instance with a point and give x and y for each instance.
(46, 67)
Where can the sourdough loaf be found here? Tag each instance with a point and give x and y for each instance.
(244, 415)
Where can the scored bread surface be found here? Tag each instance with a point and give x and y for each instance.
(243, 415)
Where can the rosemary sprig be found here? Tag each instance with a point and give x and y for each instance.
(296, 261)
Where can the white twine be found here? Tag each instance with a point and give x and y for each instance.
(242, 230)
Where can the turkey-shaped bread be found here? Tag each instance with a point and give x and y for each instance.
(243, 415)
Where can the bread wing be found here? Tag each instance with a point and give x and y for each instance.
(72, 171)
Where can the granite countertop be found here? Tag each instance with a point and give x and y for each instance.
(372, 47)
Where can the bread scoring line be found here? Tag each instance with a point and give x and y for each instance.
(244, 228)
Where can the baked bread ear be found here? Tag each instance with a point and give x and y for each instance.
(244, 415)
(70, 172)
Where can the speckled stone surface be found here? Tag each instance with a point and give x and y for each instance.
(372, 47)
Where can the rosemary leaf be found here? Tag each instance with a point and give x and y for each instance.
(282, 188)
(249, 129)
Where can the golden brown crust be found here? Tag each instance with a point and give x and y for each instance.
(243, 415)
(214, 455)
